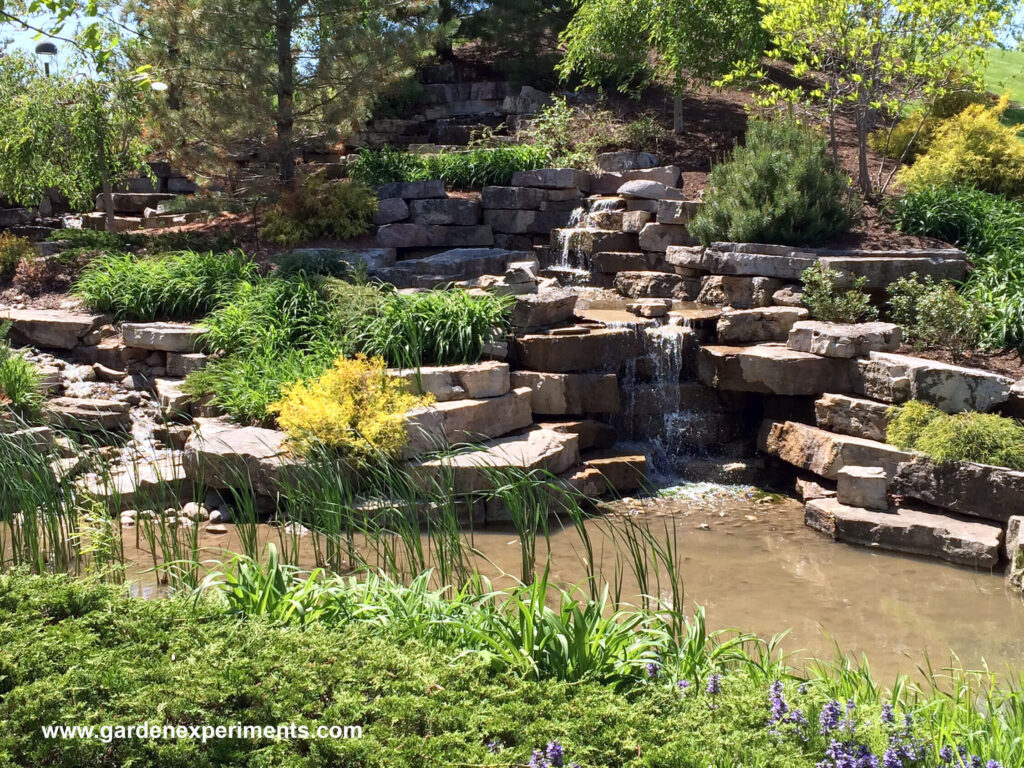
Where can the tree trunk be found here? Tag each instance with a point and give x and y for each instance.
(101, 156)
(863, 174)
(677, 113)
(285, 92)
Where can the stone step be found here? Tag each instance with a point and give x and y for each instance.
(660, 237)
(466, 421)
(912, 531)
(879, 267)
(592, 434)
(648, 284)
(89, 415)
(611, 262)
(162, 337)
(547, 307)
(620, 472)
(463, 263)
(51, 328)
(223, 455)
(605, 348)
(469, 471)
(589, 241)
(738, 292)
(770, 369)
(750, 326)
(825, 453)
(456, 382)
(897, 378)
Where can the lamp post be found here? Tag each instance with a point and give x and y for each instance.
(48, 52)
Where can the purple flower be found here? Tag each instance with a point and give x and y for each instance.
(554, 754)
(802, 688)
(683, 684)
(946, 754)
(829, 717)
(494, 746)
(993, 764)
(891, 759)
(537, 760)
(653, 670)
(888, 716)
(975, 762)
(714, 686)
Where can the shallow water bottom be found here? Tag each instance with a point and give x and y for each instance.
(756, 567)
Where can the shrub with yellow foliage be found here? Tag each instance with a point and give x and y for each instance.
(972, 149)
(354, 407)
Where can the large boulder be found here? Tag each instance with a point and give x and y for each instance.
(656, 285)
(133, 202)
(547, 307)
(865, 487)
(611, 262)
(897, 378)
(756, 325)
(462, 263)
(456, 382)
(453, 422)
(770, 369)
(844, 340)
(825, 453)
(162, 337)
(625, 160)
(599, 349)
(737, 292)
(391, 210)
(513, 198)
(562, 394)
(658, 237)
(453, 210)
(647, 189)
(89, 414)
(226, 456)
(51, 328)
(852, 416)
(978, 490)
(908, 530)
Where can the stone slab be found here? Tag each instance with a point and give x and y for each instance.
(547, 307)
(976, 490)
(852, 416)
(162, 337)
(563, 394)
(908, 530)
(457, 382)
(444, 424)
(826, 453)
(599, 349)
(552, 178)
(748, 326)
(223, 455)
(770, 369)
(844, 340)
(51, 328)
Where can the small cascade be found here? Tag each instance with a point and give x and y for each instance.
(587, 218)
(568, 256)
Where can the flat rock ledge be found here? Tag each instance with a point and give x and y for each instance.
(953, 539)
(977, 490)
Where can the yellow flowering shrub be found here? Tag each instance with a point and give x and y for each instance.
(972, 149)
(354, 407)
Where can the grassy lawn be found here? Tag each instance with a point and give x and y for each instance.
(1006, 72)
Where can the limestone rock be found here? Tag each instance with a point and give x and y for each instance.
(456, 382)
(650, 307)
(227, 456)
(547, 307)
(181, 364)
(173, 401)
(620, 472)
(452, 210)
(434, 236)
(840, 340)
(609, 182)
(625, 160)
(897, 378)
(852, 416)
(755, 325)
(679, 212)
(656, 285)
(611, 262)
(862, 487)
(977, 490)
(825, 453)
(472, 471)
(133, 202)
(467, 421)
(908, 530)
(552, 178)
(162, 481)
(89, 414)
(513, 198)
(559, 394)
(658, 237)
(769, 369)
(592, 434)
(1015, 551)
(598, 349)
(164, 337)
(462, 263)
(789, 296)
(390, 210)
(738, 292)
(587, 240)
(370, 259)
(50, 328)
(646, 189)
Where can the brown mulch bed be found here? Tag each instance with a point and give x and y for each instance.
(1006, 362)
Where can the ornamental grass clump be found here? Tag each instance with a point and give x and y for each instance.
(21, 392)
(13, 250)
(354, 407)
(985, 438)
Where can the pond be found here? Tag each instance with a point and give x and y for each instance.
(753, 565)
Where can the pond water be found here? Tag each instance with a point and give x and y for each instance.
(756, 567)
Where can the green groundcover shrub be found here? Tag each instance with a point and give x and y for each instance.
(458, 170)
(170, 286)
(12, 250)
(986, 438)
(320, 208)
(21, 391)
(80, 654)
(781, 186)
(831, 296)
(990, 228)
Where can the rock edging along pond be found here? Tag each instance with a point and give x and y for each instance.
(706, 349)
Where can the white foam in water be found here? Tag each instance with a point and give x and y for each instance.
(566, 255)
